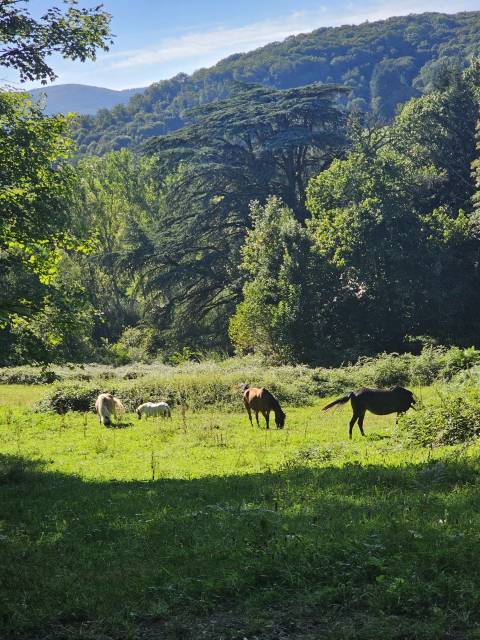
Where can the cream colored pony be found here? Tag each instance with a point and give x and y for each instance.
(106, 406)
(153, 409)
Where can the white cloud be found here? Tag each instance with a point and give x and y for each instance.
(201, 43)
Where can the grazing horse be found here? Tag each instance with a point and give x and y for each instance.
(106, 406)
(261, 400)
(153, 409)
(378, 401)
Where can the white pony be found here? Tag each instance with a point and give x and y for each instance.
(106, 406)
(154, 409)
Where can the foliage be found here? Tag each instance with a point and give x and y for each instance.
(279, 137)
(70, 397)
(257, 142)
(404, 253)
(136, 344)
(272, 320)
(36, 188)
(27, 375)
(453, 419)
(115, 204)
(197, 386)
(210, 383)
(27, 43)
(37, 185)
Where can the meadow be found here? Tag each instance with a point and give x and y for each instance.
(204, 527)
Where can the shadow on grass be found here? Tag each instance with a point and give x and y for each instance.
(355, 551)
(119, 425)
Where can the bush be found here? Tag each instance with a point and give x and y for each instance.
(69, 397)
(27, 375)
(386, 370)
(215, 383)
(199, 385)
(136, 344)
(453, 419)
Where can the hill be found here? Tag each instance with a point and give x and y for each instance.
(385, 63)
(82, 98)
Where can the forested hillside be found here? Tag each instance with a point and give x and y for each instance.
(384, 63)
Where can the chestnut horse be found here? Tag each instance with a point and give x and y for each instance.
(381, 402)
(261, 400)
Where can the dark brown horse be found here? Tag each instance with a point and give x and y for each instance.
(261, 400)
(381, 402)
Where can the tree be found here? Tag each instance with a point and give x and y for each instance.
(36, 179)
(406, 262)
(274, 317)
(115, 203)
(280, 138)
(439, 129)
(259, 142)
(189, 257)
(36, 187)
(26, 43)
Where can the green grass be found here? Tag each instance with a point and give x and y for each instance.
(18, 395)
(210, 528)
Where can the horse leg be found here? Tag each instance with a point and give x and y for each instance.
(266, 415)
(360, 423)
(247, 408)
(395, 429)
(256, 418)
(352, 424)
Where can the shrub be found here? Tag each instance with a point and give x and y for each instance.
(27, 375)
(199, 385)
(453, 419)
(136, 344)
(69, 397)
(387, 370)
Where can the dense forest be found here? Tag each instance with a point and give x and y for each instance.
(286, 221)
(383, 63)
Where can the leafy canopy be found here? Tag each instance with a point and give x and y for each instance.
(26, 43)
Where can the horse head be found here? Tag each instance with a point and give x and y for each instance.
(280, 419)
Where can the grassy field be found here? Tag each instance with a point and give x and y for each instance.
(209, 528)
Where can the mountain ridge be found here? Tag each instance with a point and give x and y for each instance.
(82, 98)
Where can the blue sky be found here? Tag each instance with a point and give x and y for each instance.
(155, 39)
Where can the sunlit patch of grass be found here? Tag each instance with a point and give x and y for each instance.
(209, 527)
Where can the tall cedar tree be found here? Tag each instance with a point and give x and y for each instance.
(259, 142)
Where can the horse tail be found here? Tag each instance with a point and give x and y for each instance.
(341, 400)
